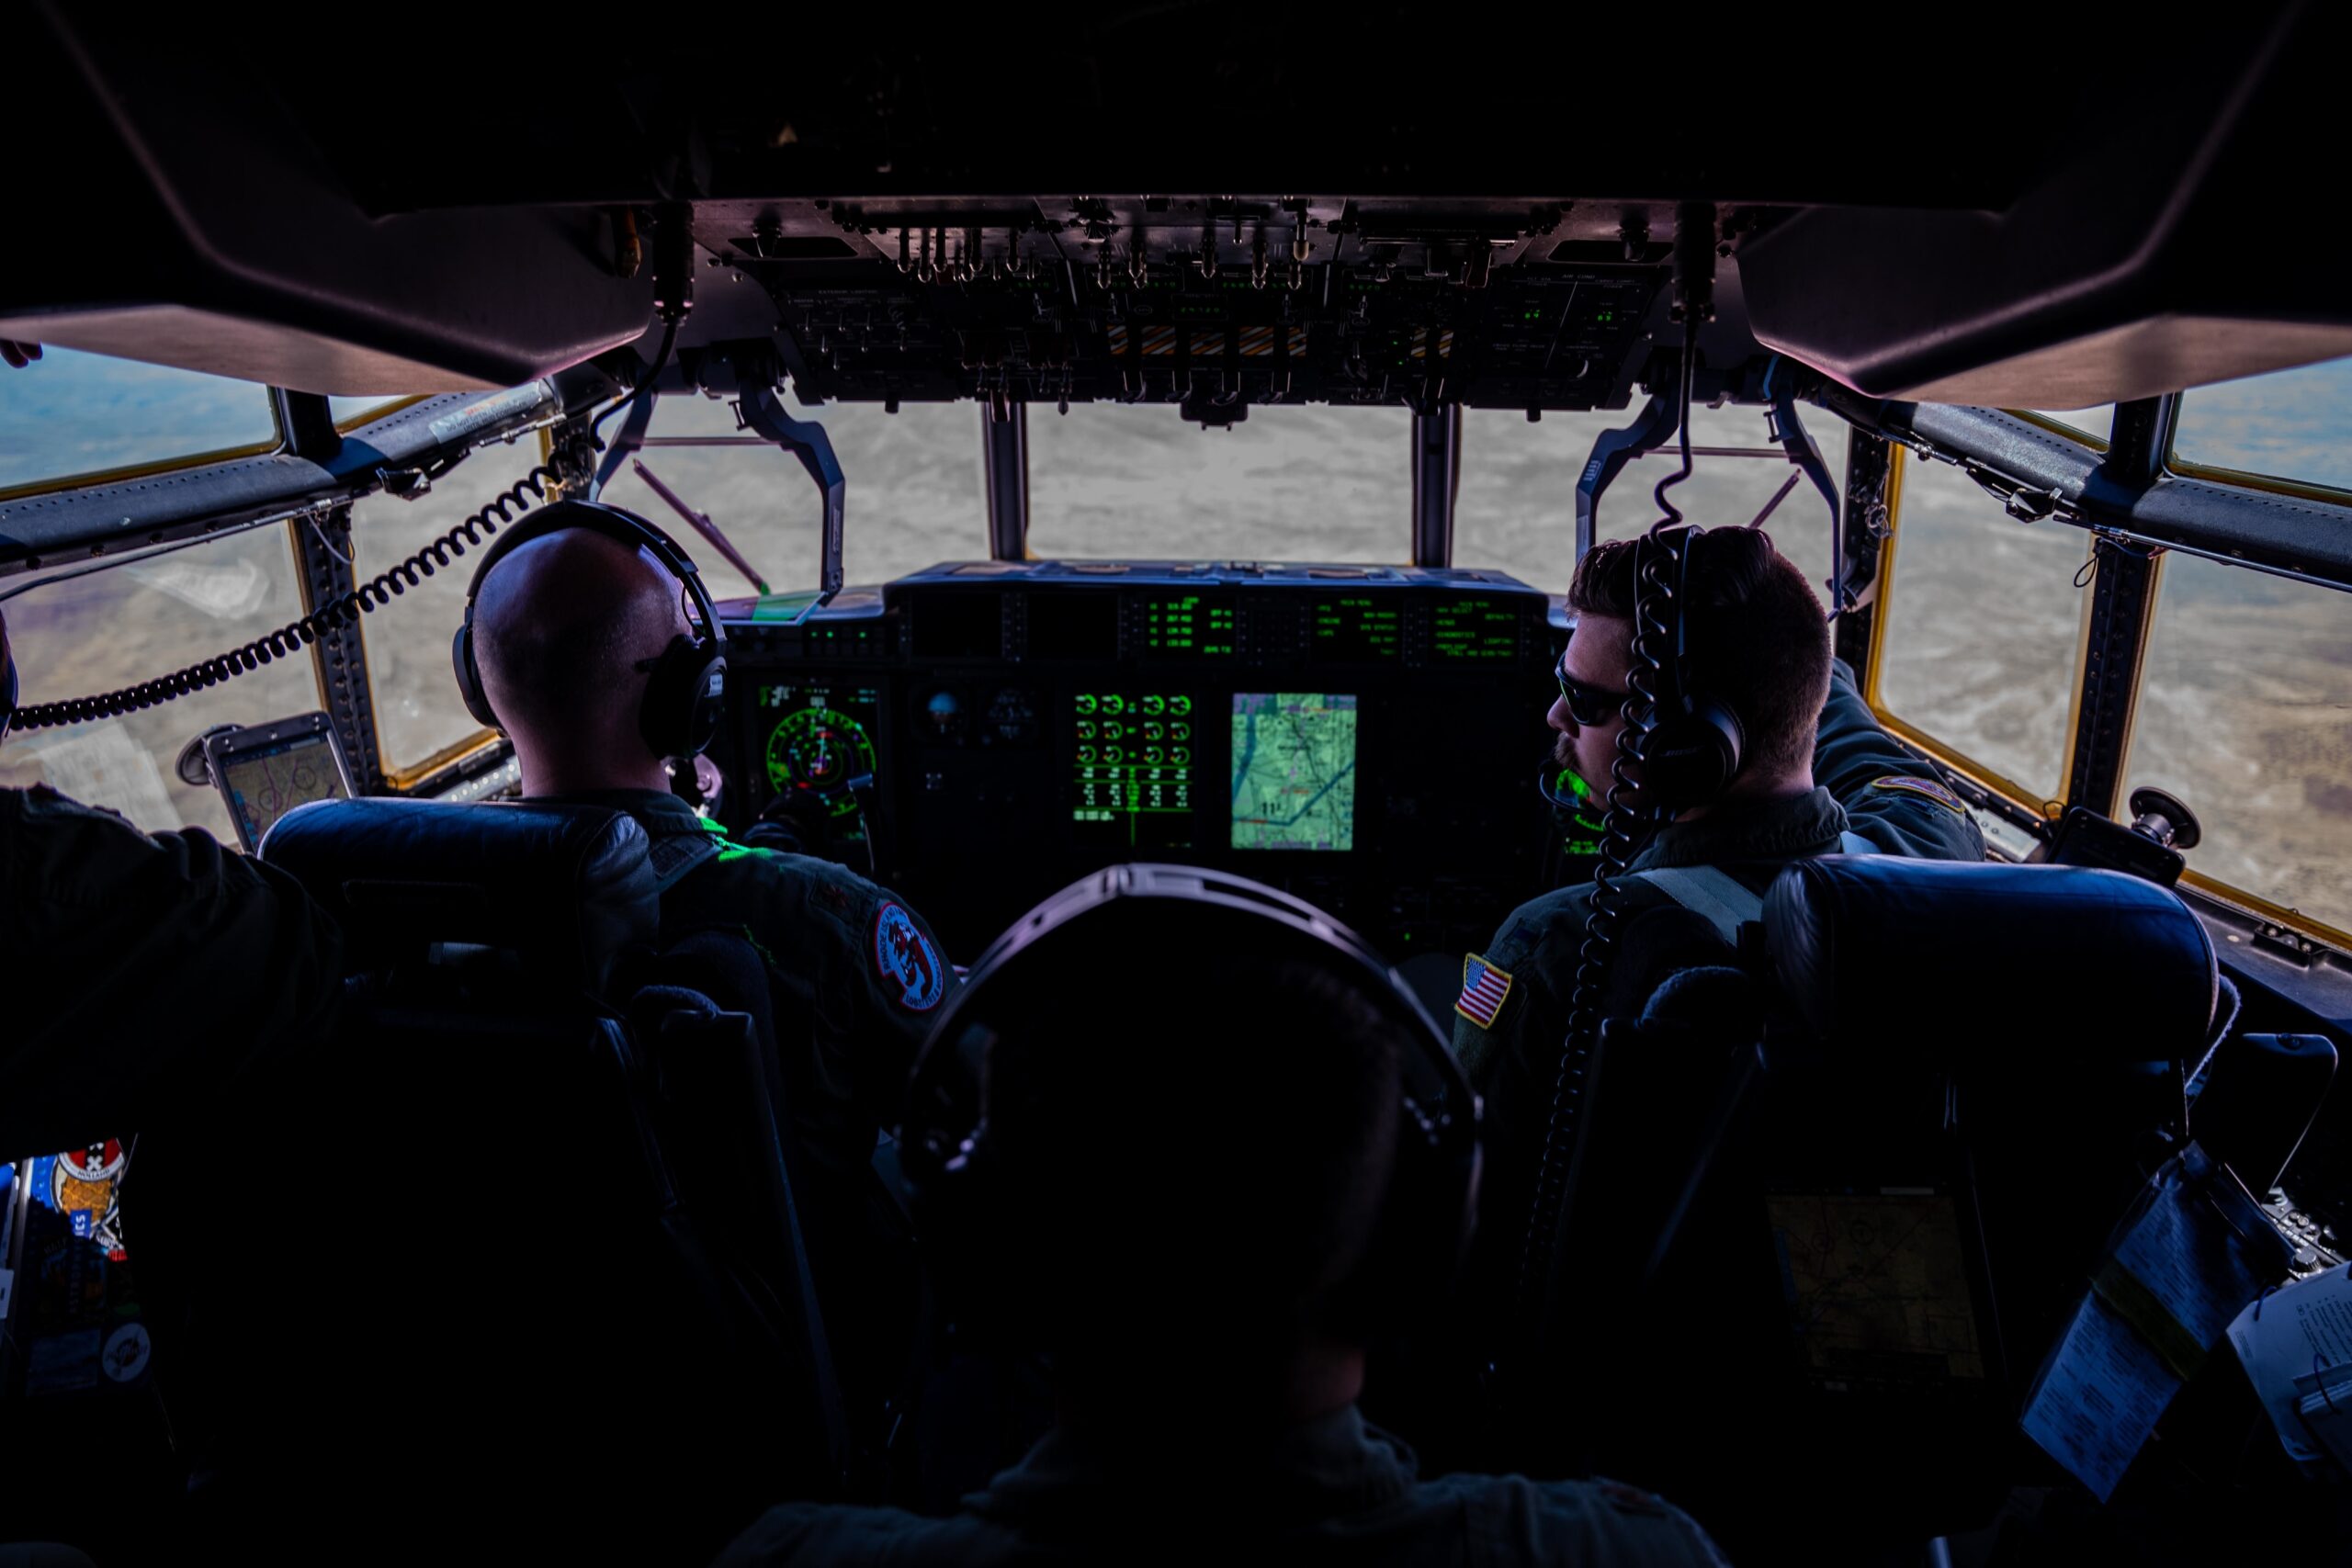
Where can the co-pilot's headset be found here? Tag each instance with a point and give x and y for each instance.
(1695, 743)
(1099, 925)
(684, 697)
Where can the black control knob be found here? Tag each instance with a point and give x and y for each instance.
(2158, 815)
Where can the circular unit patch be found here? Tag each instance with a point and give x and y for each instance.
(904, 957)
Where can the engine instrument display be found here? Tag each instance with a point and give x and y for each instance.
(1131, 759)
(820, 740)
(1293, 770)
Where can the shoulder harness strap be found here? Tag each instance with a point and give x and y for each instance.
(1727, 903)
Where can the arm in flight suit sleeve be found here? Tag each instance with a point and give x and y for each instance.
(140, 971)
(1890, 797)
(874, 976)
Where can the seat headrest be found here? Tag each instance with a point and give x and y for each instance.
(2059, 962)
(564, 887)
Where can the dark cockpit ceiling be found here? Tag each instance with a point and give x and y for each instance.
(2055, 213)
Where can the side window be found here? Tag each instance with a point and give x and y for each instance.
(1980, 628)
(2289, 424)
(70, 415)
(1516, 510)
(78, 637)
(348, 412)
(418, 711)
(2246, 714)
(915, 495)
(2095, 425)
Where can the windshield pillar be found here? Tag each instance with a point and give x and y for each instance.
(1437, 480)
(1004, 452)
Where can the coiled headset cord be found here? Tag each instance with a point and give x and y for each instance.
(526, 492)
(288, 639)
(1659, 572)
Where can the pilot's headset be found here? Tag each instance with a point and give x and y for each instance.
(1695, 744)
(684, 698)
(985, 1254)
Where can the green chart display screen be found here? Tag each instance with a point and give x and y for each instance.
(1293, 770)
(1131, 768)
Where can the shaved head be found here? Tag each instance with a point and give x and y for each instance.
(561, 627)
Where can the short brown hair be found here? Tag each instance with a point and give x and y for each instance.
(1759, 640)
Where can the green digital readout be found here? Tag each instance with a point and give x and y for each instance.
(1131, 768)
(1358, 629)
(1189, 626)
(1474, 630)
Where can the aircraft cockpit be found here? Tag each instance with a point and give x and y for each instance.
(1157, 446)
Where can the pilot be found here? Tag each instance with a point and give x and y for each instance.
(582, 651)
(1816, 776)
(1203, 1241)
(140, 972)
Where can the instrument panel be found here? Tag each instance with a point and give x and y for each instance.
(1361, 735)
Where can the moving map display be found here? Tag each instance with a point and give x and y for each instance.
(264, 786)
(1293, 770)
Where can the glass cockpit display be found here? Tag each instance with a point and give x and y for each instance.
(1131, 762)
(1293, 770)
(266, 771)
(820, 738)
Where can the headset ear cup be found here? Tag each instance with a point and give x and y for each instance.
(684, 698)
(462, 655)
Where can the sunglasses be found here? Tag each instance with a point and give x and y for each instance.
(1587, 704)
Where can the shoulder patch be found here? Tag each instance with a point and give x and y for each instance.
(1485, 988)
(904, 957)
(1929, 788)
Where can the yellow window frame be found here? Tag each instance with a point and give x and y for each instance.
(2048, 808)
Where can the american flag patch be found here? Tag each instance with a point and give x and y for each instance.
(1485, 988)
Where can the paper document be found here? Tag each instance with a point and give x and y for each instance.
(2296, 1345)
(2192, 1251)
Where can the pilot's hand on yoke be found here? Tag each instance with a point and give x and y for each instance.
(797, 822)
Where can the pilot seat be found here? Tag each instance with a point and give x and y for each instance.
(507, 1260)
(1839, 1187)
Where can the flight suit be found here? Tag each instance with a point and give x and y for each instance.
(1511, 1021)
(1865, 784)
(140, 972)
(866, 976)
(1334, 1490)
